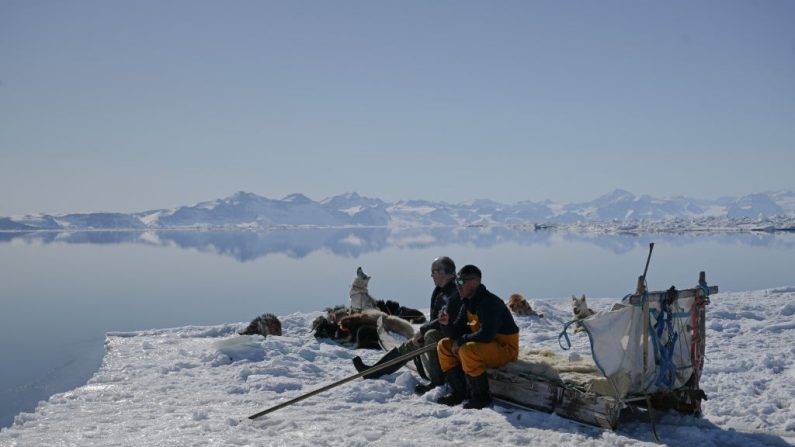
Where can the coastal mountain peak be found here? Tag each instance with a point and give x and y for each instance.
(297, 198)
(243, 195)
(616, 195)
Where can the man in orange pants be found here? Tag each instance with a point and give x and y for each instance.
(484, 335)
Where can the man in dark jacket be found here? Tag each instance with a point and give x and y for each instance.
(444, 301)
(483, 335)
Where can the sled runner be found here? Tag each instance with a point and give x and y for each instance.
(545, 381)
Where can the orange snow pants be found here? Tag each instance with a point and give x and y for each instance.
(475, 357)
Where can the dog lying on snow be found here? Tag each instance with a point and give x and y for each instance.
(394, 309)
(265, 324)
(579, 307)
(358, 330)
(519, 305)
(327, 325)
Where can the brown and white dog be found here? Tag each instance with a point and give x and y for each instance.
(579, 307)
(519, 305)
(357, 330)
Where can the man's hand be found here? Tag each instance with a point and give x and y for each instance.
(455, 348)
(443, 317)
(418, 339)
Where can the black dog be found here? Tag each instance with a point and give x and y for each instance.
(390, 307)
(265, 324)
(361, 330)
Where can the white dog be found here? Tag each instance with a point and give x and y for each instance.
(359, 294)
(579, 307)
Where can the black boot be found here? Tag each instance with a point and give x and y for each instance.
(480, 395)
(422, 388)
(458, 385)
(359, 364)
(393, 354)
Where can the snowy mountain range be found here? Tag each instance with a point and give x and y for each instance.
(244, 210)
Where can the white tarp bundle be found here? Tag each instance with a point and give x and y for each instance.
(617, 344)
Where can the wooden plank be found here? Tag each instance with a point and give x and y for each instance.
(543, 395)
(589, 408)
(534, 394)
(684, 293)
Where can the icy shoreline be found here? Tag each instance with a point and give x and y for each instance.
(196, 385)
(679, 226)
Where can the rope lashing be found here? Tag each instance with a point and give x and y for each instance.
(667, 370)
(705, 292)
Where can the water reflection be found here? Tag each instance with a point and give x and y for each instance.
(354, 242)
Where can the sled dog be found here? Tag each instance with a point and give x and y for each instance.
(579, 307)
(359, 294)
(265, 324)
(519, 305)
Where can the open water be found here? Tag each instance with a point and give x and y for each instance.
(61, 292)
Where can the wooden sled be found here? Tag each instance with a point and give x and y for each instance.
(566, 388)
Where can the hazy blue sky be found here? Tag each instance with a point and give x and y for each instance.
(126, 106)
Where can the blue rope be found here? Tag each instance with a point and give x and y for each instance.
(667, 372)
(705, 289)
(564, 334)
(655, 340)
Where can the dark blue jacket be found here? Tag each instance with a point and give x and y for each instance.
(493, 314)
(443, 297)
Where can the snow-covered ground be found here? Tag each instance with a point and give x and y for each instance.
(197, 385)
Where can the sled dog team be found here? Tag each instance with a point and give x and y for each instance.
(473, 330)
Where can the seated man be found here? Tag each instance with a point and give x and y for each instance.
(444, 299)
(484, 335)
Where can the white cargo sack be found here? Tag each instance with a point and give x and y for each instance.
(617, 347)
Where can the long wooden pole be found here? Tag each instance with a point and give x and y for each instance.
(651, 247)
(642, 285)
(395, 361)
(641, 290)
